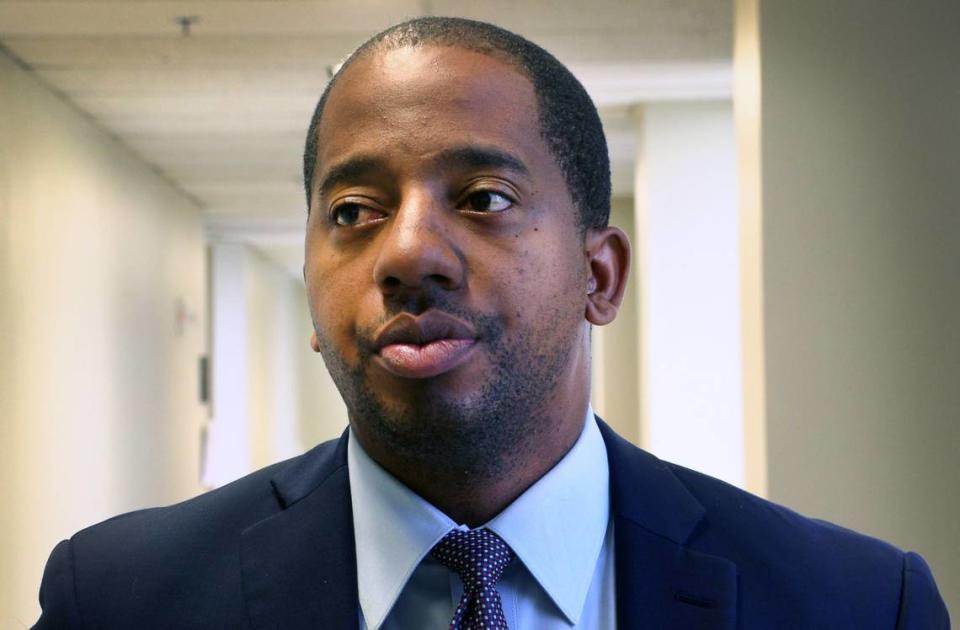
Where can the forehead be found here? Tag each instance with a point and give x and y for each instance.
(412, 101)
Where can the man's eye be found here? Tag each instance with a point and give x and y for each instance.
(488, 201)
(350, 214)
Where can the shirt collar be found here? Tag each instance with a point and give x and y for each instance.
(395, 528)
(558, 525)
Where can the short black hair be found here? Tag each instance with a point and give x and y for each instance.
(569, 122)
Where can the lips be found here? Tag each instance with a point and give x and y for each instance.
(423, 346)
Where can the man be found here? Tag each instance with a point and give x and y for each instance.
(457, 253)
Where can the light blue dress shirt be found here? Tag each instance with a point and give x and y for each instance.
(560, 529)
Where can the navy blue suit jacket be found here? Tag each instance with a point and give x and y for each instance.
(276, 550)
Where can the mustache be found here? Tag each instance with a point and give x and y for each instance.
(489, 327)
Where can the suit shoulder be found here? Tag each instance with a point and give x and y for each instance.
(231, 504)
(788, 556)
(171, 566)
(205, 521)
(732, 510)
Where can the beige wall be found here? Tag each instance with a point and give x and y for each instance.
(98, 382)
(861, 232)
(687, 258)
(272, 386)
(293, 402)
(272, 396)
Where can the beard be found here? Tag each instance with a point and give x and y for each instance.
(481, 437)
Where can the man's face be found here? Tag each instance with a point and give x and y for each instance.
(444, 265)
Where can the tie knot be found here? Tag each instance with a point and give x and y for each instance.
(478, 556)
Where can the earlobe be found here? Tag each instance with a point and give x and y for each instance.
(608, 260)
(314, 343)
(600, 311)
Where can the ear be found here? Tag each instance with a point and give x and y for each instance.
(608, 263)
(314, 344)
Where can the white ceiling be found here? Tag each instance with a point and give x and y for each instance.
(222, 112)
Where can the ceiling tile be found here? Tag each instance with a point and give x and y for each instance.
(223, 111)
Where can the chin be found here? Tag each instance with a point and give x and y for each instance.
(423, 404)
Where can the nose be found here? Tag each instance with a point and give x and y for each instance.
(417, 249)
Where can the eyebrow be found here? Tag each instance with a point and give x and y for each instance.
(477, 157)
(356, 168)
(464, 157)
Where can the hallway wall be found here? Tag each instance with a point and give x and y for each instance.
(294, 402)
(689, 318)
(272, 397)
(861, 238)
(101, 326)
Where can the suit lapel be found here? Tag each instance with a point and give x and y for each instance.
(299, 566)
(662, 583)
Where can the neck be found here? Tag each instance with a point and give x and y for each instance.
(473, 498)
(475, 501)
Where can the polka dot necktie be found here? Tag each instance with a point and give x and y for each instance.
(479, 557)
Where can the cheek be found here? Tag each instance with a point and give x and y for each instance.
(540, 287)
(331, 290)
